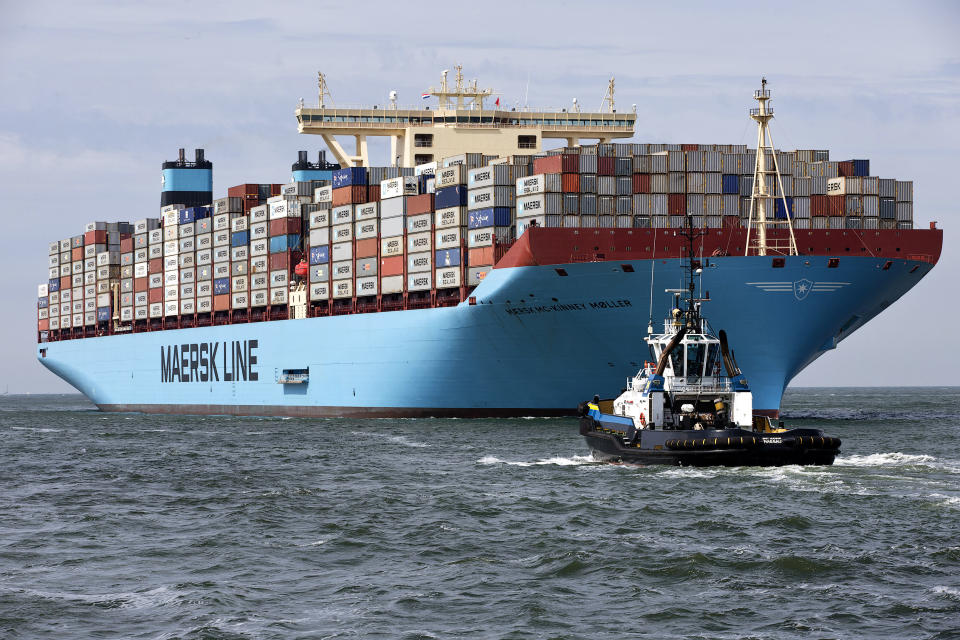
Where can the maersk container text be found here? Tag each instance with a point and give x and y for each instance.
(228, 361)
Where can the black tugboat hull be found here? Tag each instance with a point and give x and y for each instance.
(729, 448)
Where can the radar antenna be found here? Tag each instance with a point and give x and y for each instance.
(608, 98)
(761, 200)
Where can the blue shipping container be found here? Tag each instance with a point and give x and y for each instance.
(779, 212)
(279, 244)
(455, 196)
(240, 238)
(446, 258)
(349, 177)
(103, 314)
(43, 302)
(861, 168)
(489, 217)
(309, 175)
(888, 210)
(731, 183)
(221, 286)
(53, 284)
(319, 255)
(186, 216)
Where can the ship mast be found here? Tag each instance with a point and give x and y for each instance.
(761, 200)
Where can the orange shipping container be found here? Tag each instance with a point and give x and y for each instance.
(392, 266)
(43, 325)
(126, 245)
(141, 284)
(155, 265)
(76, 254)
(95, 237)
(349, 195)
(155, 295)
(221, 303)
(570, 183)
(367, 248)
(64, 282)
(419, 204)
(480, 256)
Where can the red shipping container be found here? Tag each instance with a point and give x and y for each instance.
(141, 284)
(284, 260)
(155, 265)
(392, 266)
(367, 248)
(76, 255)
(480, 256)
(846, 169)
(818, 205)
(155, 295)
(126, 245)
(373, 193)
(64, 282)
(688, 147)
(419, 204)
(677, 204)
(275, 189)
(43, 325)
(605, 166)
(242, 190)
(570, 183)
(350, 195)
(550, 164)
(284, 226)
(95, 237)
(222, 302)
(835, 205)
(641, 183)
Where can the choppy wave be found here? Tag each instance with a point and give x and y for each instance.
(560, 461)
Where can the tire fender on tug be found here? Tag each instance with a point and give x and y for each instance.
(737, 442)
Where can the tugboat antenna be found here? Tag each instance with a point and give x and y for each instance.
(692, 312)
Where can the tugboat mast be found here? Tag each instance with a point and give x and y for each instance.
(761, 200)
(691, 315)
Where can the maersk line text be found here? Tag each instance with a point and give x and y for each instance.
(199, 361)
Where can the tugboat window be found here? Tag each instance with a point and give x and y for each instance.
(713, 360)
(695, 358)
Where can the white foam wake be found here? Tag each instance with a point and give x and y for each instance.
(884, 460)
(560, 461)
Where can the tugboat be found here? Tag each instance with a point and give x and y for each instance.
(692, 406)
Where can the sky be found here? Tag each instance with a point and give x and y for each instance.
(96, 95)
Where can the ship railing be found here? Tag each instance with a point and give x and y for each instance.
(353, 124)
(711, 384)
(387, 108)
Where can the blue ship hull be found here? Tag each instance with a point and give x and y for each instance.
(535, 343)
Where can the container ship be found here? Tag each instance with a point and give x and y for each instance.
(478, 274)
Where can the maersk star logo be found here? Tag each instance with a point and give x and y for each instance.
(801, 288)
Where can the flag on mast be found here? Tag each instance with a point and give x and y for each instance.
(498, 101)
(424, 95)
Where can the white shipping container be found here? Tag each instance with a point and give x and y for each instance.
(171, 233)
(341, 251)
(367, 286)
(481, 237)
(392, 207)
(258, 264)
(204, 304)
(204, 288)
(448, 238)
(171, 308)
(239, 300)
(187, 230)
(391, 246)
(155, 251)
(278, 278)
(397, 187)
(320, 219)
(238, 284)
(343, 232)
(43, 290)
(323, 194)
(524, 223)
(447, 277)
(187, 244)
(419, 223)
(342, 289)
(204, 257)
(239, 253)
(320, 237)
(342, 270)
(261, 247)
(259, 230)
(420, 281)
(367, 211)
(364, 229)
(391, 284)
(490, 197)
(428, 169)
(450, 217)
(171, 217)
(259, 298)
(547, 203)
(417, 262)
(171, 248)
(419, 242)
(449, 176)
(320, 291)
(221, 270)
(240, 223)
(188, 306)
(141, 270)
(390, 227)
(341, 215)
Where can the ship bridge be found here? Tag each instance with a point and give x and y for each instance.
(460, 122)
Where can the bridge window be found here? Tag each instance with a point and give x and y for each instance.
(422, 158)
(423, 140)
(695, 360)
(526, 142)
